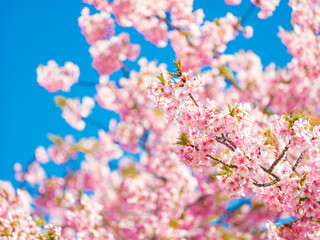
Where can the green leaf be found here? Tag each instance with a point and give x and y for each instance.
(161, 78)
(158, 112)
(222, 173)
(232, 160)
(212, 218)
(233, 110)
(183, 139)
(295, 175)
(80, 193)
(286, 116)
(60, 101)
(301, 199)
(173, 223)
(226, 72)
(292, 112)
(299, 115)
(215, 163)
(178, 65)
(40, 221)
(303, 178)
(292, 118)
(51, 235)
(130, 172)
(224, 167)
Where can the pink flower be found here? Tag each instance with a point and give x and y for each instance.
(41, 155)
(109, 55)
(73, 111)
(95, 27)
(53, 78)
(247, 32)
(233, 2)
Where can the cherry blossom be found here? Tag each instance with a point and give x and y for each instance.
(97, 26)
(222, 147)
(109, 55)
(73, 111)
(55, 78)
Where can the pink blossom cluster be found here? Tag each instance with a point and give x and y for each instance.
(55, 78)
(189, 147)
(197, 51)
(109, 54)
(132, 103)
(267, 7)
(146, 16)
(60, 152)
(246, 153)
(97, 26)
(73, 111)
(34, 175)
(18, 220)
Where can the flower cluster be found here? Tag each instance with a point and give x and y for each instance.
(73, 111)
(55, 78)
(18, 221)
(194, 152)
(109, 54)
(97, 26)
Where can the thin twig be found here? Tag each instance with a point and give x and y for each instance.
(256, 183)
(270, 169)
(125, 70)
(247, 14)
(86, 84)
(190, 95)
(95, 123)
(225, 142)
(286, 158)
(298, 160)
(218, 160)
(279, 158)
(234, 83)
(167, 21)
(229, 140)
(269, 172)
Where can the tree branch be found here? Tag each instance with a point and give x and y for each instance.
(256, 183)
(86, 84)
(225, 164)
(190, 95)
(227, 142)
(278, 159)
(295, 165)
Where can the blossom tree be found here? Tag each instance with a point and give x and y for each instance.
(219, 127)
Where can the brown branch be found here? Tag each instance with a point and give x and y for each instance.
(86, 84)
(234, 83)
(225, 164)
(256, 183)
(227, 142)
(270, 169)
(269, 172)
(222, 141)
(190, 95)
(247, 14)
(278, 159)
(167, 21)
(298, 161)
(199, 200)
(294, 170)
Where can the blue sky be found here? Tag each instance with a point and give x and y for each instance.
(33, 32)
